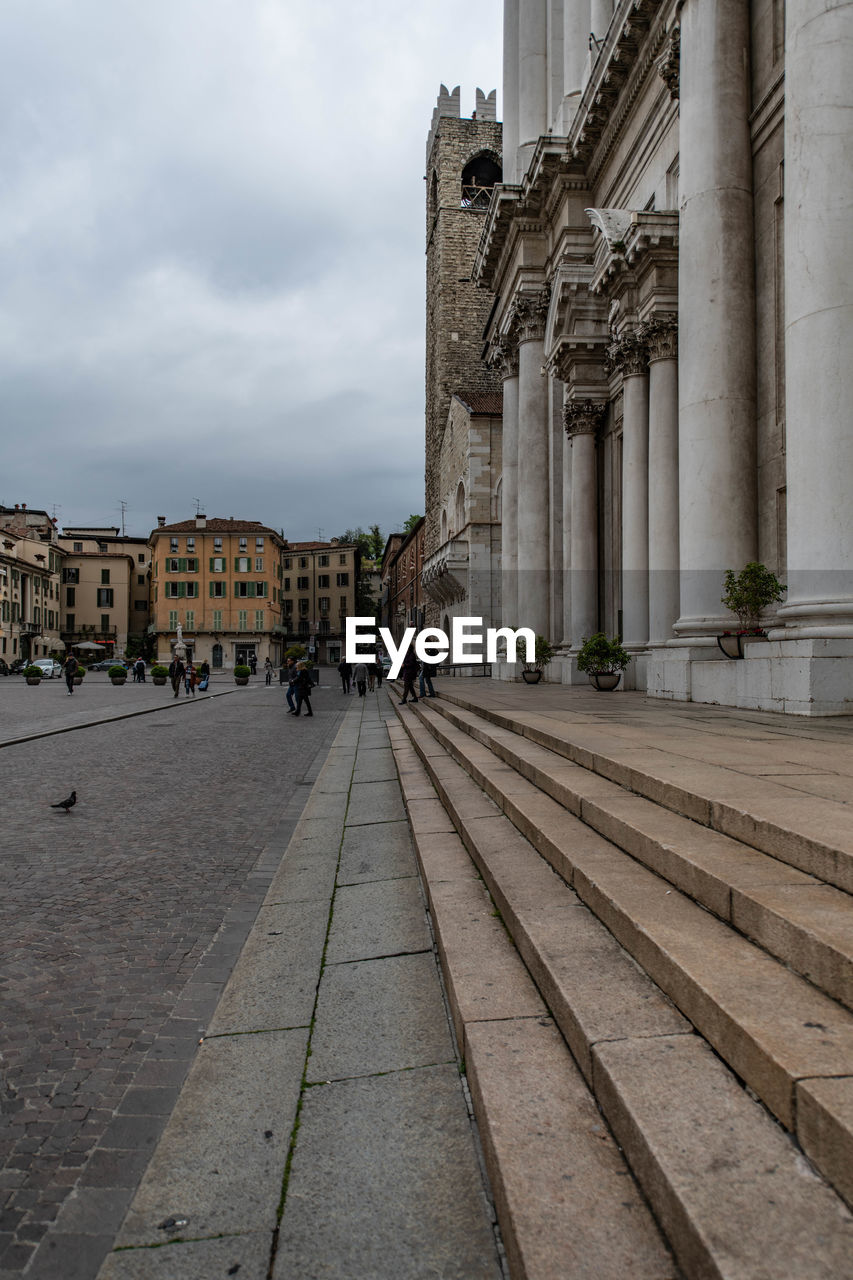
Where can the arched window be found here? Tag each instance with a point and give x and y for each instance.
(217, 655)
(460, 508)
(478, 180)
(444, 526)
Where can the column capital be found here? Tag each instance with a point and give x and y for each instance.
(628, 356)
(660, 334)
(503, 356)
(530, 314)
(583, 417)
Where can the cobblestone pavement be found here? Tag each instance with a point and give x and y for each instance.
(119, 925)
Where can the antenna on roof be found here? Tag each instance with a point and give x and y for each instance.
(197, 502)
(123, 506)
(319, 535)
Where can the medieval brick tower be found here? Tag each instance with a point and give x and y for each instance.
(463, 165)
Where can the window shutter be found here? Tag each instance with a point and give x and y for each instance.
(211, 567)
(210, 589)
(252, 586)
(182, 564)
(262, 589)
(182, 589)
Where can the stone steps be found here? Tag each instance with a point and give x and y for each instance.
(809, 831)
(729, 1188)
(806, 924)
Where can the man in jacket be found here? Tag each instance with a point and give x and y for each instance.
(408, 671)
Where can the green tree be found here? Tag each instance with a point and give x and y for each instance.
(408, 525)
(377, 542)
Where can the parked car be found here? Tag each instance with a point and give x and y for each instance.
(50, 668)
(104, 664)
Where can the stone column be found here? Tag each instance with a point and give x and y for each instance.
(716, 305)
(508, 364)
(575, 44)
(533, 546)
(629, 357)
(510, 94)
(601, 11)
(532, 79)
(818, 317)
(566, 641)
(583, 419)
(661, 338)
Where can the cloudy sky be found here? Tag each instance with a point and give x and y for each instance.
(212, 253)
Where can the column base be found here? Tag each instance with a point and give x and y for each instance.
(807, 677)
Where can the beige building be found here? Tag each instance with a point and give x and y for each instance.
(30, 560)
(318, 592)
(104, 589)
(221, 580)
(670, 252)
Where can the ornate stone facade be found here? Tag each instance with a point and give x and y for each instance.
(693, 344)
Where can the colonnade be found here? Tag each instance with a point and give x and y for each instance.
(689, 472)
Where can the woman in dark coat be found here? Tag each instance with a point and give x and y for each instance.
(304, 685)
(409, 671)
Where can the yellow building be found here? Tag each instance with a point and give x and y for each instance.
(29, 584)
(104, 589)
(318, 592)
(221, 581)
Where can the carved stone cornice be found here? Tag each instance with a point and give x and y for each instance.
(660, 335)
(583, 417)
(530, 314)
(629, 356)
(668, 64)
(503, 356)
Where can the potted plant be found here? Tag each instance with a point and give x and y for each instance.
(33, 674)
(747, 594)
(544, 652)
(603, 660)
(159, 674)
(242, 673)
(79, 673)
(117, 673)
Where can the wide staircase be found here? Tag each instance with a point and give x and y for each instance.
(646, 932)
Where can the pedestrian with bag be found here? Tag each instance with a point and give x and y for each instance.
(177, 670)
(267, 672)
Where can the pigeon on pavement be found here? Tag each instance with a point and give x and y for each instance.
(68, 804)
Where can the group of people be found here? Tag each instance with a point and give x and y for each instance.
(188, 675)
(297, 676)
(365, 676)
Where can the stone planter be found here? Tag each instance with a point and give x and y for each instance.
(118, 679)
(731, 644)
(241, 679)
(531, 677)
(77, 679)
(604, 681)
(159, 679)
(33, 679)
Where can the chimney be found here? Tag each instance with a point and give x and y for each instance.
(161, 520)
(200, 520)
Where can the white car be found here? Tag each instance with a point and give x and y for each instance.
(50, 668)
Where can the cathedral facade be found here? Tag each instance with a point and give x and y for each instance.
(666, 264)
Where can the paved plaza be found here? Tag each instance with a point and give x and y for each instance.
(121, 924)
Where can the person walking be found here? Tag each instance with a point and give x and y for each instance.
(379, 672)
(425, 678)
(408, 670)
(359, 674)
(267, 672)
(345, 672)
(253, 663)
(371, 676)
(177, 671)
(190, 679)
(139, 670)
(71, 665)
(292, 675)
(304, 686)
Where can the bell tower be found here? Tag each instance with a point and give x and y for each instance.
(463, 164)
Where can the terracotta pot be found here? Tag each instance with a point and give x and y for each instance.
(604, 681)
(531, 677)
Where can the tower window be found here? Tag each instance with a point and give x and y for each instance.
(478, 181)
